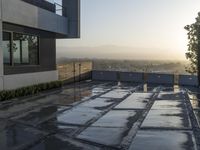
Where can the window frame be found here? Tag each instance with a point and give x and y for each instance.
(11, 55)
(12, 64)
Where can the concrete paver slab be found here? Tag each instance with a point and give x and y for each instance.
(19, 137)
(78, 115)
(163, 140)
(116, 118)
(166, 118)
(135, 101)
(169, 104)
(197, 115)
(85, 114)
(98, 103)
(105, 136)
(16, 108)
(115, 94)
(170, 96)
(195, 104)
(40, 115)
(52, 127)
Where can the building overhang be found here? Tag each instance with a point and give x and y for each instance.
(21, 13)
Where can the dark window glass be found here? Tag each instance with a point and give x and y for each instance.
(6, 48)
(25, 49)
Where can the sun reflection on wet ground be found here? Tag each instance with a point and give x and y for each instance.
(104, 115)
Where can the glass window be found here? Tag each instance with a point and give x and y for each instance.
(6, 48)
(16, 51)
(25, 49)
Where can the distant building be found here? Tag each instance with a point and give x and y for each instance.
(29, 29)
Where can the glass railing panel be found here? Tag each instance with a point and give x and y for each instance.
(58, 6)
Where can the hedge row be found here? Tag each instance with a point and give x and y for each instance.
(29, 90)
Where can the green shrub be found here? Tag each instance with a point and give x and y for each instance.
(29, 90)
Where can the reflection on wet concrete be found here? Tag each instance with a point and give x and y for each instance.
(170, 96)
(117, 94)
(54, 127)
(194, 99)
(16, 108)
(155, 87)
(3, 124)
(18, 137)
(79, 93)
(112, 128)
(98, 103)
(107, 115)
(115, 119)
(163, 140)
(61, 143)
(176, 88)
(197, 114)
(169, 104)
(195, 104)
(103, 135)
(167, 119)
(135, 101)
(78, 115)
(40, 115)
(145, 88)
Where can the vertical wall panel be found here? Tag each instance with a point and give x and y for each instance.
(71, 9)
(105, 75)
(1, 50)
(188, 80)
(131, 77)
(155, 78)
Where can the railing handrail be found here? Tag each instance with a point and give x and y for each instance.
(57, 4)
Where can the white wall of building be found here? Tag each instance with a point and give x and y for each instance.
(22, 80)
(1, 83)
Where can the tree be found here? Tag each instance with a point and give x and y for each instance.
(192, 53)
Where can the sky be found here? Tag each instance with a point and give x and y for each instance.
(132, 29)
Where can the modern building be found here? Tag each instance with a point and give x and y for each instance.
(28, 33)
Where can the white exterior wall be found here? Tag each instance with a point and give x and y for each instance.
(22, 80)
(1, 83)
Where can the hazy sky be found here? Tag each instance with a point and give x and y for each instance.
(152, 28)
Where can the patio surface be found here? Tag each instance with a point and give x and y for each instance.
(95, 115)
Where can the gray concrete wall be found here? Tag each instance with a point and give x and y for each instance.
(160, 78)
(1, 50)
(131, 77)
(104, 75)
(151, 78)
(22, 13)
(188, 80)
(72, 11)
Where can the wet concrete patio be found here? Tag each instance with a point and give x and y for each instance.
(95, 115)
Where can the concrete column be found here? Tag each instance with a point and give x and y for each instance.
(1, 50)
(71, 9)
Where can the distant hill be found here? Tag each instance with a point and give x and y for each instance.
(119, 52)
(133, 65)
